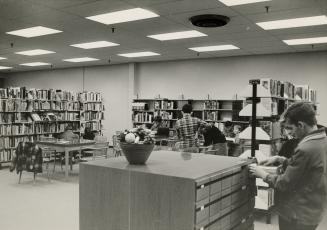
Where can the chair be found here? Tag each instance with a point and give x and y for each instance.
(218, 149)
(116, 147)
(99, 148)
(28, 157)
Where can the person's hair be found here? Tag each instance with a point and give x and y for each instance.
(228, 124)
(158, 119)
(300, 111)
(187, 108)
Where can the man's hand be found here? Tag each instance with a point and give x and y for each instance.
(272, 161)
(257, 171)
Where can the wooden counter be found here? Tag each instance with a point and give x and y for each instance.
(173, 191)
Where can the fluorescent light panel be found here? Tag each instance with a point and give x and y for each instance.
(2, 58)
(35, 64)
(306, 41)
(34, 32)
(5, 67)
(240, 2)
(35, 52)
(214, 48)
(293, 23)
(123, 16)
(93, 45)
(177, 35)
(82, 59)
(139, 54)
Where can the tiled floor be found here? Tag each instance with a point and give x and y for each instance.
(55, 205)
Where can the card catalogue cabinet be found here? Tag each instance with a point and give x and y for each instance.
(173, 191)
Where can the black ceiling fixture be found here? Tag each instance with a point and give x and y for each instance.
(209, 20)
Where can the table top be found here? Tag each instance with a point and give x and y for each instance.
(177, 164)
(62, 143)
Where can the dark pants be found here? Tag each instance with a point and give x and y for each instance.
(292, 225)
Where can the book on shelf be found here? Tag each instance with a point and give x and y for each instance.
(35, 117)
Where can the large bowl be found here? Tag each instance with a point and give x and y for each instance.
(136, 154)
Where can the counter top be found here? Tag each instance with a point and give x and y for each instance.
(177, 164)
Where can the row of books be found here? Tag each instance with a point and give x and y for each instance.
(12, 142)
(211, 104)
(143, 117)
(140, 106)
(165, 104)
(288, 90)
(303, 92)
(90, 115)
(92, 125)
(89, 96)
(48, 94)
(93, 106)
(13, 117)
(16, 129)
(51, 94)
(5, 155)
(26, 106)
(13, 106)
(56, 105)
(45, 128)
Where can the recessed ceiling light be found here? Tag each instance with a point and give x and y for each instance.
(34, 32)
(2, 58)
(292, 23)
(93, 45)
(5, 67)
(177, 35)
(240, 2)
(123, 16)
(35, 52)
(139, 54)
(213, 48)
(83, 59)
(306, 41)
(35, 64)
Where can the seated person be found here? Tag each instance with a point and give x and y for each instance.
(88, 134)
(214, 139)
(212, 135)
(68, 135)
(229, 129)
(157, 123)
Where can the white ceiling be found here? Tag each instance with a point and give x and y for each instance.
(69, 16)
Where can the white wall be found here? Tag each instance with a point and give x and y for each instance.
(111, 81)
(220, 77)
(225, 77)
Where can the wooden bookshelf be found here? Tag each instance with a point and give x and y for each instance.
(27, 114)
(220, 111)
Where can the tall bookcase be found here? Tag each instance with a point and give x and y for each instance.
(27, 114)
(220, 111)
(274, 98)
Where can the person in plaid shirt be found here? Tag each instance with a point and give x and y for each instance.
(187, 128)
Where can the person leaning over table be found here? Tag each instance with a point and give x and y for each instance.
(301, 192)
(157, 123)
(212, 136)
(187, 128)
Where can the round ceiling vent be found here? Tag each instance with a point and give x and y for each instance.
(209, 20)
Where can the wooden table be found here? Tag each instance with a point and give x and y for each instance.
(172, 191)
(66, 146)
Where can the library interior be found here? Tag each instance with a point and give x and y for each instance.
(163, 114)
